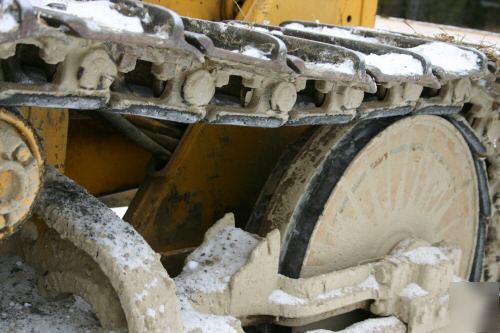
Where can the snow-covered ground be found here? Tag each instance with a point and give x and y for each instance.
(23, 310)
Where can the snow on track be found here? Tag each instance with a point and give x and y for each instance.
(413, 290)
(212, 265)
(254, 52)
(209, 270)
(282, 298)
(424, 255)
(345, 67)
(101, 12)
(449, 57)
(331, 31)
(8, 22)
(395, 64)
(371, 326)
(388, 64)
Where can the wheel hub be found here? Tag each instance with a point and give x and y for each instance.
(21, 169)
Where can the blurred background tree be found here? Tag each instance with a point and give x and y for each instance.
(478, 14)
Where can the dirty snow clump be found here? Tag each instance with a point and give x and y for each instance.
(449, 57)
(424, 255)
(334, 293)
(212, 265)
(8, 22)
(331, 31)
(209, 270)
(345, 67)
(194, 321)
(101, 13)
(282, 298)
(253, 52)
(413, 290)
(369, 326)
(369, 283)
(395, 64)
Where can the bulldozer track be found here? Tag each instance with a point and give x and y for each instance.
(188, 70)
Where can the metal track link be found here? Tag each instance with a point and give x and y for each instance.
(188, 70)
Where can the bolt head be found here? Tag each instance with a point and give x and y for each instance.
(22, 154)
(382, 275)
(284, 97)
(199, 88)
(323, 86)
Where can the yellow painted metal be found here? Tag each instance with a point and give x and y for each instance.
(52, 127)
(215, 169)
(88, 151)
(101, 159)
(368, 13)
(229, 9)
(342, 12)
(204, 9)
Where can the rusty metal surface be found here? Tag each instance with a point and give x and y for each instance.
(203, 180)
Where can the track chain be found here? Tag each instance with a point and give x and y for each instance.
(189, 70)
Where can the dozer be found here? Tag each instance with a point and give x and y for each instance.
(283, 164)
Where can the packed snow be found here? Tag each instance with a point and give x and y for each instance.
(369, 326)
(212, 265)
(256, 28)
(345, 67)
(251, 27)
(195, 321)
(334, 293)
(331, 31)
(413, 290)
(389, 63)
(369, 283)
(8, 22)
(254, 52)
(209, 270)
(395, 64)
(23, 310)
(282, 298)
(424, 255)
(100, 12)
(449, 57)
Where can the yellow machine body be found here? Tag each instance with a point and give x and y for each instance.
(342, 12)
